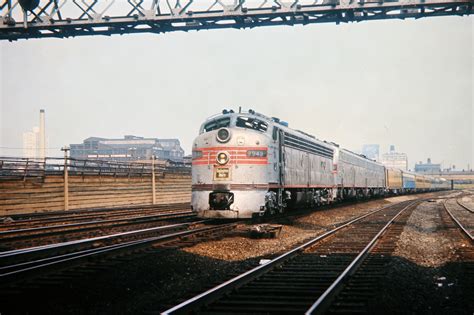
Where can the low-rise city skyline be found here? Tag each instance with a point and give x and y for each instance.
(137, 150)
(128, 148)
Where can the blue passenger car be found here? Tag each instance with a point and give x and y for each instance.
(408, 181)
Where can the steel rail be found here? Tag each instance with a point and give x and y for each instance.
(97, 223)
(457, 221)
(216, 292)
(90, 252)
(82, 218)
(40, 216)
(330, 292)
(464, 206)
(29, 250)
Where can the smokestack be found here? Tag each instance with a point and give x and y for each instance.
(42, 136)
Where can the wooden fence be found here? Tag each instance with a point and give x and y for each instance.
(78, 189)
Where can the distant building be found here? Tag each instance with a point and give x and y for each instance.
(371, 151)
(34, 142)
(395, 159)
(188, 159)
(130, 148)
(427, 167)
(31, 143)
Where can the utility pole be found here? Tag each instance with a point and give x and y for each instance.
(153, 184)
(66, 184)
(42, 136)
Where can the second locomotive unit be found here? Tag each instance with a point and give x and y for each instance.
(246, 164)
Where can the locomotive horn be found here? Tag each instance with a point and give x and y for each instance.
(29, 5)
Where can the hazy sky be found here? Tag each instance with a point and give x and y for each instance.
(407, 83)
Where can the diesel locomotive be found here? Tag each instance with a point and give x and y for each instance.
(246, 164)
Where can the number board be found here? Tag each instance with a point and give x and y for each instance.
(222, 173)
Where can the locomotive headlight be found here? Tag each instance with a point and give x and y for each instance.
(222, 158)
(223, 135)
(256, 153)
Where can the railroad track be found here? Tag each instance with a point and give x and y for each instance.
(463, 205)
(57, 269)
(73, 216)
(34, 262)
(38, 229)
(309, 277)
(462, 215)
(354, 296)
(41, 235)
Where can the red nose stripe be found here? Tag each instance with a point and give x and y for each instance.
(243, 162)
(230, 148)
(238, 155)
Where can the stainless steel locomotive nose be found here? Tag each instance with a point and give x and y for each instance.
(223, 135)
(222, 158)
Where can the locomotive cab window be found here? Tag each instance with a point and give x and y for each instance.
(216, 124)
(275, 133)
(251, 123)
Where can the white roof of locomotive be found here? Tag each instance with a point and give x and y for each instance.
(273, 122)
(277, 122)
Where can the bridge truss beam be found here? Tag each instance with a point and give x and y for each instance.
(68, 18)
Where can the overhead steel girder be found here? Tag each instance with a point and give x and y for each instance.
(67, 18)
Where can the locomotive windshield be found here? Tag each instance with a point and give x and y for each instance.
(216, 124)
(251, 123)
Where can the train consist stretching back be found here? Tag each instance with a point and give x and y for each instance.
(246, 164)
